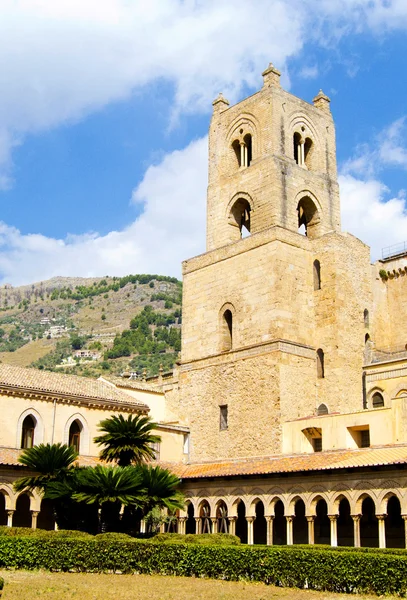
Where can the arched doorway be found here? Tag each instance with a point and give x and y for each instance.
(222, 517)
(241, 523)
(322, 525)
(394, 524)
(369, 530)
(46, 519)
(260, 525)
(279, 524)
(205, 515)
(3, 511)
(345, 524)
(300, 525)
(22, 514)
(190, 526)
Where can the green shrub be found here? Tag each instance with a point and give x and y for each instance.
(383, 274)
(112, 536)
(21, 532)
(223, 539)
(303, 567)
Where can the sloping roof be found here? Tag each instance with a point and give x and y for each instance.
(134, 384)
(319, 461)
(66, 385)
(9, 457)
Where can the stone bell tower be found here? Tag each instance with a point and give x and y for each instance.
(273, 311)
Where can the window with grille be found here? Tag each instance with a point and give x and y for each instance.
(317, 443)
(365, 438)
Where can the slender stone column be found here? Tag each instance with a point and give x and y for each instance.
(142, 526)
(214, 524)
(356, 530)
(302, 146)
(182, 522)
(290, 539)
(246, 160)
(34, 517)
(311, 529)
(382, 530)
(242, 147)
(232, 525)
(334, 529)
(10, 514)
(198, 524)
(270, 520)
(404, 517)
(250, 521)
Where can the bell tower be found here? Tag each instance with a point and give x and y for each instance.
(273, 311)
(271, 163)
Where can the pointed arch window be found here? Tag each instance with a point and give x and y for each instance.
(377, 400)
(27, 433)
(243, 149)
(322, 410)
(75, 435)
(227, 330)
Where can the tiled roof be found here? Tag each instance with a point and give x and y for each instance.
(319, 461)
(9, 456)
(66, 385)
(134, 384)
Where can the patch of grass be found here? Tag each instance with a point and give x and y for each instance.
(21, 585)
(29, 353)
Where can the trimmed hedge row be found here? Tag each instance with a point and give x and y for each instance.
(345, 571)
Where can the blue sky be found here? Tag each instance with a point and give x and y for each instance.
(105, 107)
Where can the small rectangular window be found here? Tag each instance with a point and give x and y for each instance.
(223, 423)
(186, 443)
(156, 448)
(317, 443)
(365, 438)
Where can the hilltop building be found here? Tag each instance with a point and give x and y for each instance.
(286, 418)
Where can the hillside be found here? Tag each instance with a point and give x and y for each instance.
(90, 326)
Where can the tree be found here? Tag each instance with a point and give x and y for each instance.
(50, 461)
(127, 441)
(161, 489)
(108, 488)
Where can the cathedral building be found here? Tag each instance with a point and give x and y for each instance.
(286, 417)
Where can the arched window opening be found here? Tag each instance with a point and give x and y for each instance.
(3, 510)
(240, 217)
(322, 524)
(22, 514)
(377, 400)
(366, 317)
(367, 339)
(205, 514)
(227, 331)
(27, 433)
(300, 525)
(222, 518)
(308, 217)
(236, 148)
(46, 519)
(322, 410)
(75, 435)
(317, 275)
(279, 525)
(320, 364)
(345, 524)
(260, 525)
(394, 524)
(297, 147)
(248, 149)
(241, 523)
(190, 526)
(369, 531)
(307, 152)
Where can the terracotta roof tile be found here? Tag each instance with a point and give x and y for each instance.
(68, 385)
(9, 457)
(320, 461)
(134, 384)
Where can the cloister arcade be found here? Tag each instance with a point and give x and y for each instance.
(25, 510)
(348, 518)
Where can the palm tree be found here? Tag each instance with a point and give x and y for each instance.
(50, 461)
(109, 488)
(161, 489)
(127, 441)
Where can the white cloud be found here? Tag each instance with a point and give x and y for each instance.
(170, 229)
(369, 214)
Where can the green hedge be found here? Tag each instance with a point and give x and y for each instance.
(330, 570)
